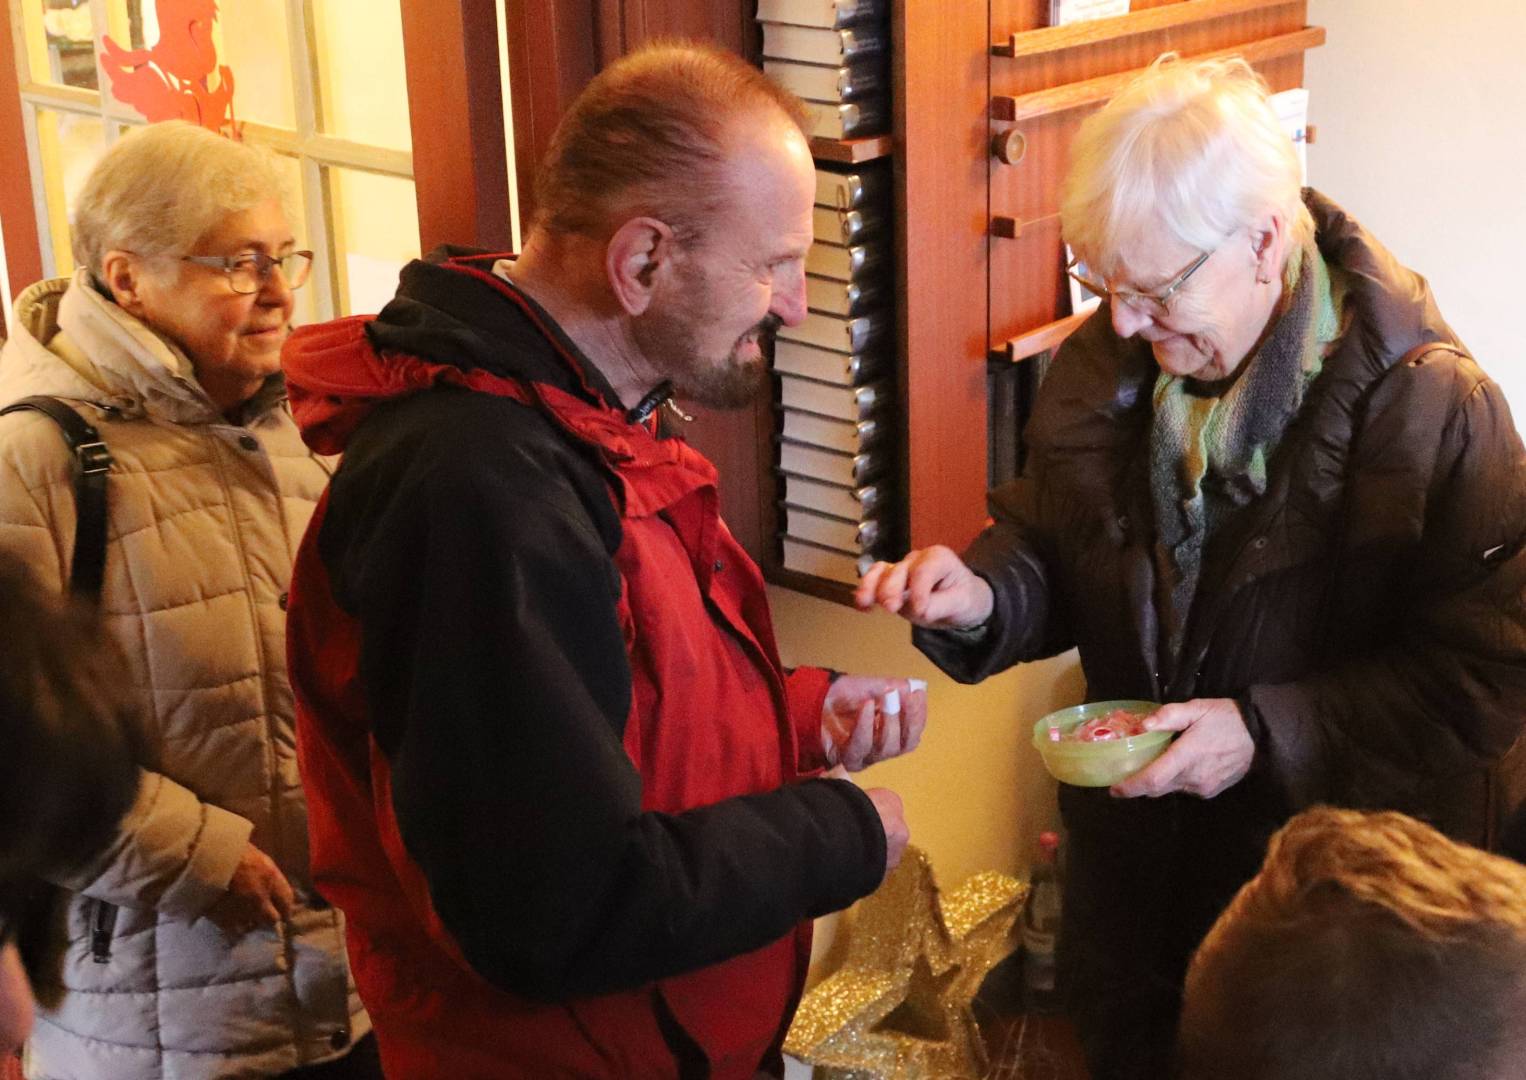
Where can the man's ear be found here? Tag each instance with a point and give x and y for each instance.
(637, 254)
(122, 274)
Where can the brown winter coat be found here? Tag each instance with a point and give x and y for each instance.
(204, 521)
(1366, 611)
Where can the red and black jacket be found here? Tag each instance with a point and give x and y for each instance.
(553, 763)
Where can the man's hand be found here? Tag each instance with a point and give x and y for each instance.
(259, 895)
(858, 726)
(931, 587)
(897, 835)
(1213, 752)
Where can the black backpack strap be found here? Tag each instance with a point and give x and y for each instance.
(92, 462)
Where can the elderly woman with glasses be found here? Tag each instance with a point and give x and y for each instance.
(1266, 488)
(195, 946)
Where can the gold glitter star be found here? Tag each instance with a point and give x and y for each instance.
(900, 1007)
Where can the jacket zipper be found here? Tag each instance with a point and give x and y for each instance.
(103, 921)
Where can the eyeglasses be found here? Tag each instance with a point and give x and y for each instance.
(1155, 305)
(248, 273)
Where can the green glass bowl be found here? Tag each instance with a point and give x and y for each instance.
(1097, 764)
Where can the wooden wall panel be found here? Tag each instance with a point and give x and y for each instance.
(23, 252)
(553, 53)
(455, 103)
(942, 138)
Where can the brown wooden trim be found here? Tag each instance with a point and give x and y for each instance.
(1043, 338)
(1051, 39)
(1094, 91)
(455, 105)
(554, 51)
(940, 57)
(18, 212)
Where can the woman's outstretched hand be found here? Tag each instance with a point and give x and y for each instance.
(931, 587)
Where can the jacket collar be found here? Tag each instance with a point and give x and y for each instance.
(72, 342)
(338, 375)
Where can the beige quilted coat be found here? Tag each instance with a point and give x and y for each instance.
(205, 518)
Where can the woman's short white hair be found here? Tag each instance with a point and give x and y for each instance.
(161, 188)
(1192, 148)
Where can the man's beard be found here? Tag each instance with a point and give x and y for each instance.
(732, 383)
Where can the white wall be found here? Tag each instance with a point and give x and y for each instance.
(1421, 111)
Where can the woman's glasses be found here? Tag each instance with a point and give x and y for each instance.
(248, 273)
(1153, 304)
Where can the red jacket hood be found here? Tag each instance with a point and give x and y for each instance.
(335, 378)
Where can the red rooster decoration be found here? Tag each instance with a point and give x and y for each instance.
(169, 81)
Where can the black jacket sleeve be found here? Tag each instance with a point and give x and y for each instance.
(1026, 623)
(495, 665)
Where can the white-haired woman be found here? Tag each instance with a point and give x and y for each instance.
(195, 946)
(1267, 487)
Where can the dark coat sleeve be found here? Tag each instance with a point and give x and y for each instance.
(1445, 691)
(495, 663)
(1027, 622)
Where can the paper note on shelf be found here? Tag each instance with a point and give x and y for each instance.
(1292, 108)
(1062, 12)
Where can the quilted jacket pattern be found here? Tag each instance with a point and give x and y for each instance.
(204, 520)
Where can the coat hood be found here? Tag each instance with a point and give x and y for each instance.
(477, 330)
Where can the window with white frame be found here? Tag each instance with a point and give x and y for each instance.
(321, 83)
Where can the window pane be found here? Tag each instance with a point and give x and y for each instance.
(69, 145)
(375, 231)
(306, 308)
(60, 42)
(362, 82)
(253, 43)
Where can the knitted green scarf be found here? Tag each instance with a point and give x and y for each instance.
(1209, 447)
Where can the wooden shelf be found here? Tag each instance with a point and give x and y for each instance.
(1042, 338)
(852, 151)
(1051, 39)
(1095, 91)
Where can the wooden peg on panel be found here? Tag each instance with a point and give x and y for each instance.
(1009, 146)
(1309, 132)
